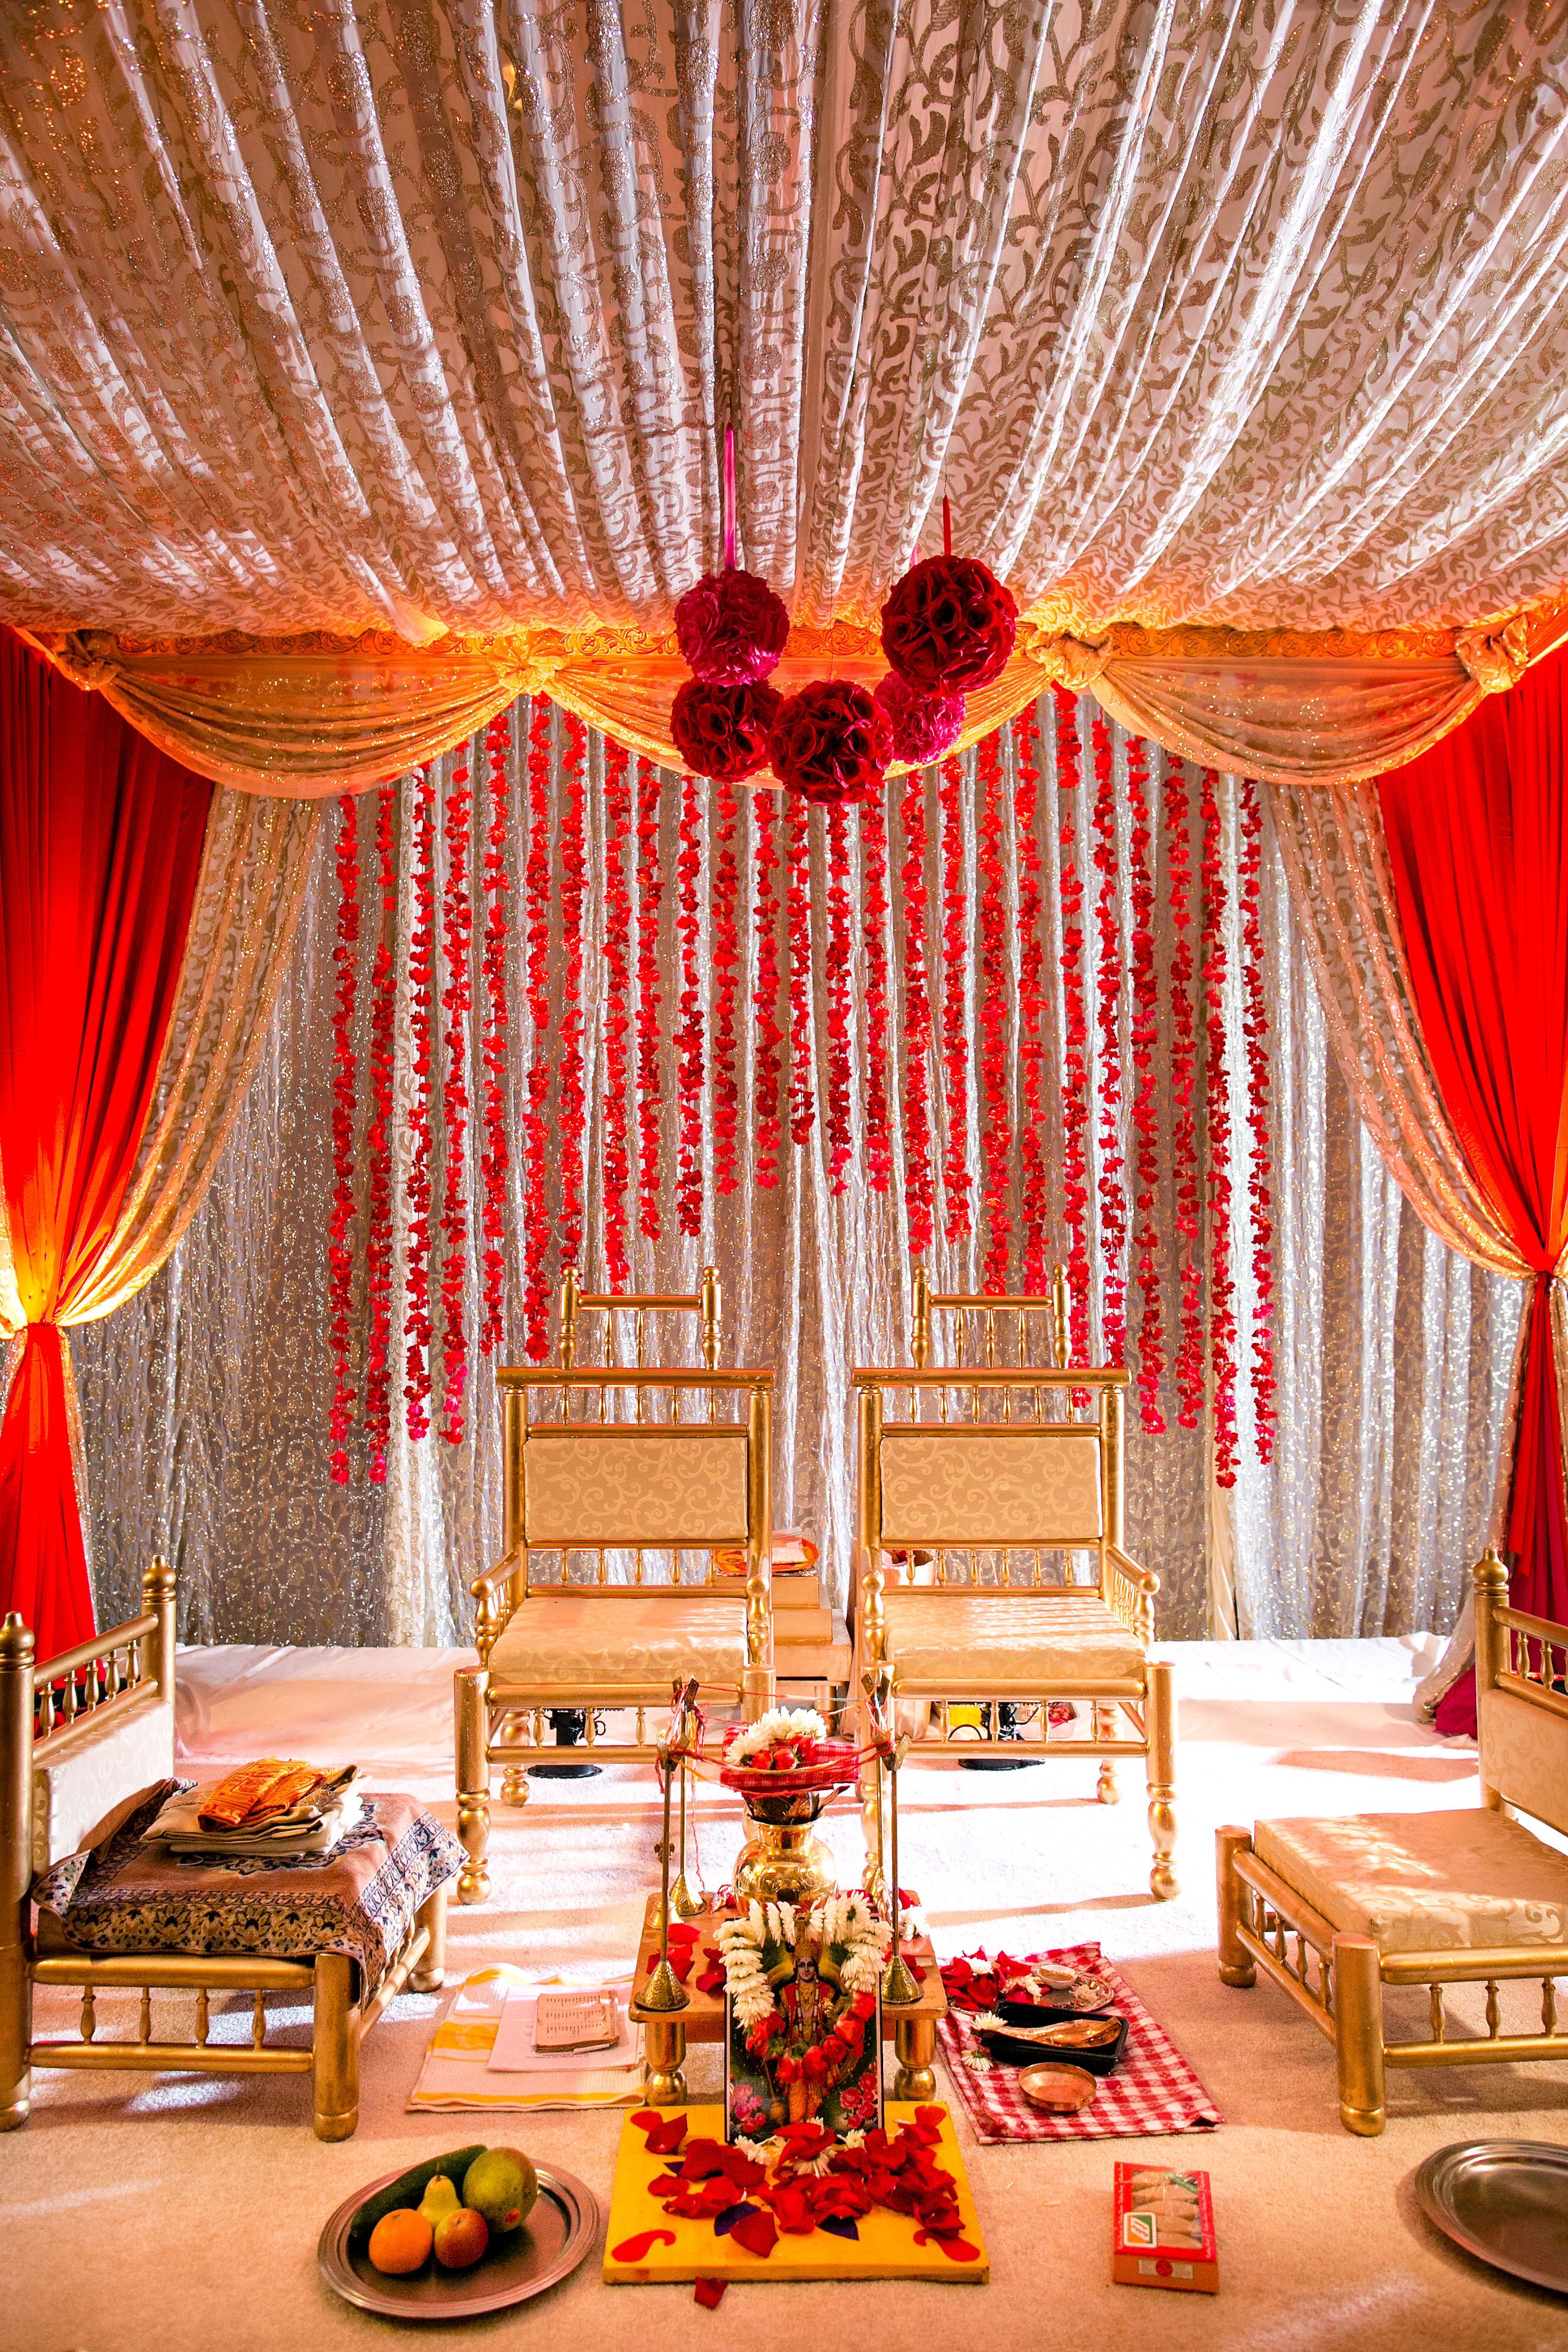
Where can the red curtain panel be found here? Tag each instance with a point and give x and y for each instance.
(101, 845)
(1478, 831)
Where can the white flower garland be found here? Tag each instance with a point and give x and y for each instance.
(845, 1920)
(781, 1723)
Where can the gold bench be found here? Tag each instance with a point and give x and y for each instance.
(1334, 1911)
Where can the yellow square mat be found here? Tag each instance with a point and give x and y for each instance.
(886, 2247)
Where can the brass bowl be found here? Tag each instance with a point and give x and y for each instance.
(1060, 2090)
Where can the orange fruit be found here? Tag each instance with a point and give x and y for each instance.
(400, 2241)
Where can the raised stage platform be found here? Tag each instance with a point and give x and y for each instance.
(184, 2215)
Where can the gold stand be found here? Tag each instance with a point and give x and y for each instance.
(664, 1992)
(685, 1905)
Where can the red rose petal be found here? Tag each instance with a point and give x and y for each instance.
(957, 2250)
(756, 2233)
(665, 2134)
(709, 2293)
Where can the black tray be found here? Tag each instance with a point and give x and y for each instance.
(1014, 2052)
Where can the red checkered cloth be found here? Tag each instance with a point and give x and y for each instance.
(1151, 2092)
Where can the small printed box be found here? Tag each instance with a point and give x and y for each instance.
(1165, 2231)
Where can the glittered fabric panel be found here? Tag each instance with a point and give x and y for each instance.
(207, 1400)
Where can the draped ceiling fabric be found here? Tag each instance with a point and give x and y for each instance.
(1391, 1352)
(420, 319)
(145, 923)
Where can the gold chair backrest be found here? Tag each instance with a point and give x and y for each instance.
(995, 1468)
(606, 1459)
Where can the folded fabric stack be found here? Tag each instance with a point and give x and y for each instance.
(270, 1809)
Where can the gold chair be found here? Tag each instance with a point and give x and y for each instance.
(588, 1475)
(79, 1744)
(1335, 1911)
(971, 1493)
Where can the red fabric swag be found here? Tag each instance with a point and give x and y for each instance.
(1477, 832)
(101, 846)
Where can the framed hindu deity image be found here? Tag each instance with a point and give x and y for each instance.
(815, 2056)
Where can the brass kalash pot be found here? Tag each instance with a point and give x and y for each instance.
(783, 1861)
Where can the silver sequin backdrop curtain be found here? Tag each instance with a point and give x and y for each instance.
(207, 1402)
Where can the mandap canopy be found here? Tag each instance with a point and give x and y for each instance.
(361, 372)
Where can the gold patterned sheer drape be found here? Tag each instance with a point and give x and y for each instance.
(420, 318)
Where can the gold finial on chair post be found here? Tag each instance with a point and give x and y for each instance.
(571, 1294)
(1061, 1327)
(919, 1334)
(710, 1298)
(17, 1853)
(158, 1588)
(1490, 1574)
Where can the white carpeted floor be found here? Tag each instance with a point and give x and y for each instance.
(183, 2216)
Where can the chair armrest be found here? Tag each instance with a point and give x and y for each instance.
(486, 1587)
(1145, 1579)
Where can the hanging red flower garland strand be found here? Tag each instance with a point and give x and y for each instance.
(340, 1250)
(874, 938)
(689, 1034)
(1189, 1362)
(572, 1101)
(1255, 1029)
(1222, 1290)
(1145, 1123)
(797, 925)
(996, 1140)
(417, 1329)
(919, 1186)
(536, 1234)
(724, 936)
(769, 1037)
(457, 1002)
(1075, 1025)
(495, 1156)
(378, 1156)
(651, 1091)
(1108, 986)
(1033, 1144)
(839, 1075)
(956, 1180)
(617, 1012)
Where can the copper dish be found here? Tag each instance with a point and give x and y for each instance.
(548, 2248)
(1060, 2090)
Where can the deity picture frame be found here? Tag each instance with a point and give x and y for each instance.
(756, 2103)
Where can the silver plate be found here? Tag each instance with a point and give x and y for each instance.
(1504, 2200)
(547, 2249)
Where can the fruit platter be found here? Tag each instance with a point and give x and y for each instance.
(470, 2231)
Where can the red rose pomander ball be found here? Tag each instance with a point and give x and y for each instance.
(949, 625)
(924, 725)
(722, 731)
(831, 742)
(730, 627)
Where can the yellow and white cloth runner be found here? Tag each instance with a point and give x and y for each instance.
(456, 2072)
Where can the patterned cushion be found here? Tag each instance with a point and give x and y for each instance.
(91, 1772)
(1034, 1640)
(125, 1898)
(1424, 1882)
(586, 1643)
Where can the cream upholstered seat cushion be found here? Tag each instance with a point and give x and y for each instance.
(83, 1775)
(1029, 1638)
(1424, 1882)
(589, 1643)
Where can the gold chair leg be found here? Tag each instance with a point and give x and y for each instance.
(515, 1788)
(1160, 1722)
(1237, 1965)
(1358, 2034)
(16, 1870)
(431, 1973)
(915, 2045)
(664, 2042)
(335, 2048)
(1107, 1790)
(470, 1684)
